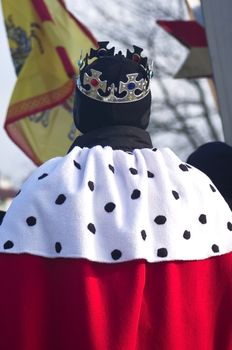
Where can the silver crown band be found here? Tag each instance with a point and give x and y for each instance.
(96, 84)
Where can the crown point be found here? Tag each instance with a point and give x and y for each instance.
(102, 52)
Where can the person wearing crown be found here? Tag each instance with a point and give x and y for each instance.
(117, 245)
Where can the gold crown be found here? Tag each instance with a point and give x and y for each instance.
(130, 90)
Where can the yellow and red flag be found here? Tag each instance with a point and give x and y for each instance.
(45, 41)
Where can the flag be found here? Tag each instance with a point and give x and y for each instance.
(192, 35)
(45, 42)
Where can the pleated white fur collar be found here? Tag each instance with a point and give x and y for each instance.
(112, 206)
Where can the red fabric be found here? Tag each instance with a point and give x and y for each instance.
(42, 10)
(68, 66)
(189, 33)
(67, 304)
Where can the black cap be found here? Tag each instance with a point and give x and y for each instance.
(91, 114)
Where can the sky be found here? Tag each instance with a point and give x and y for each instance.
(14, 164)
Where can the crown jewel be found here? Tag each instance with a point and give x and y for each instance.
(130, 90)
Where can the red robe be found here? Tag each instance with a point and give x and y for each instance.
(69, 304)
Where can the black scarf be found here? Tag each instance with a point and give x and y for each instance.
(126, 138)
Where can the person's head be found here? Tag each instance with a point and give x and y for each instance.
(215, 160)
(112, 89)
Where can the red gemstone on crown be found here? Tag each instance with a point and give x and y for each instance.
(94, 82)
(136, 57)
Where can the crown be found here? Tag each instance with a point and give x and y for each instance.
(130, 90)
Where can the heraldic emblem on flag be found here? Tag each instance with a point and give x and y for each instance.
(45, 41)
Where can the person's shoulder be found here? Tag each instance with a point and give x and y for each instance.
(2, 214)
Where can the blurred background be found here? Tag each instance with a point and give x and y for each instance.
(184, 114)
